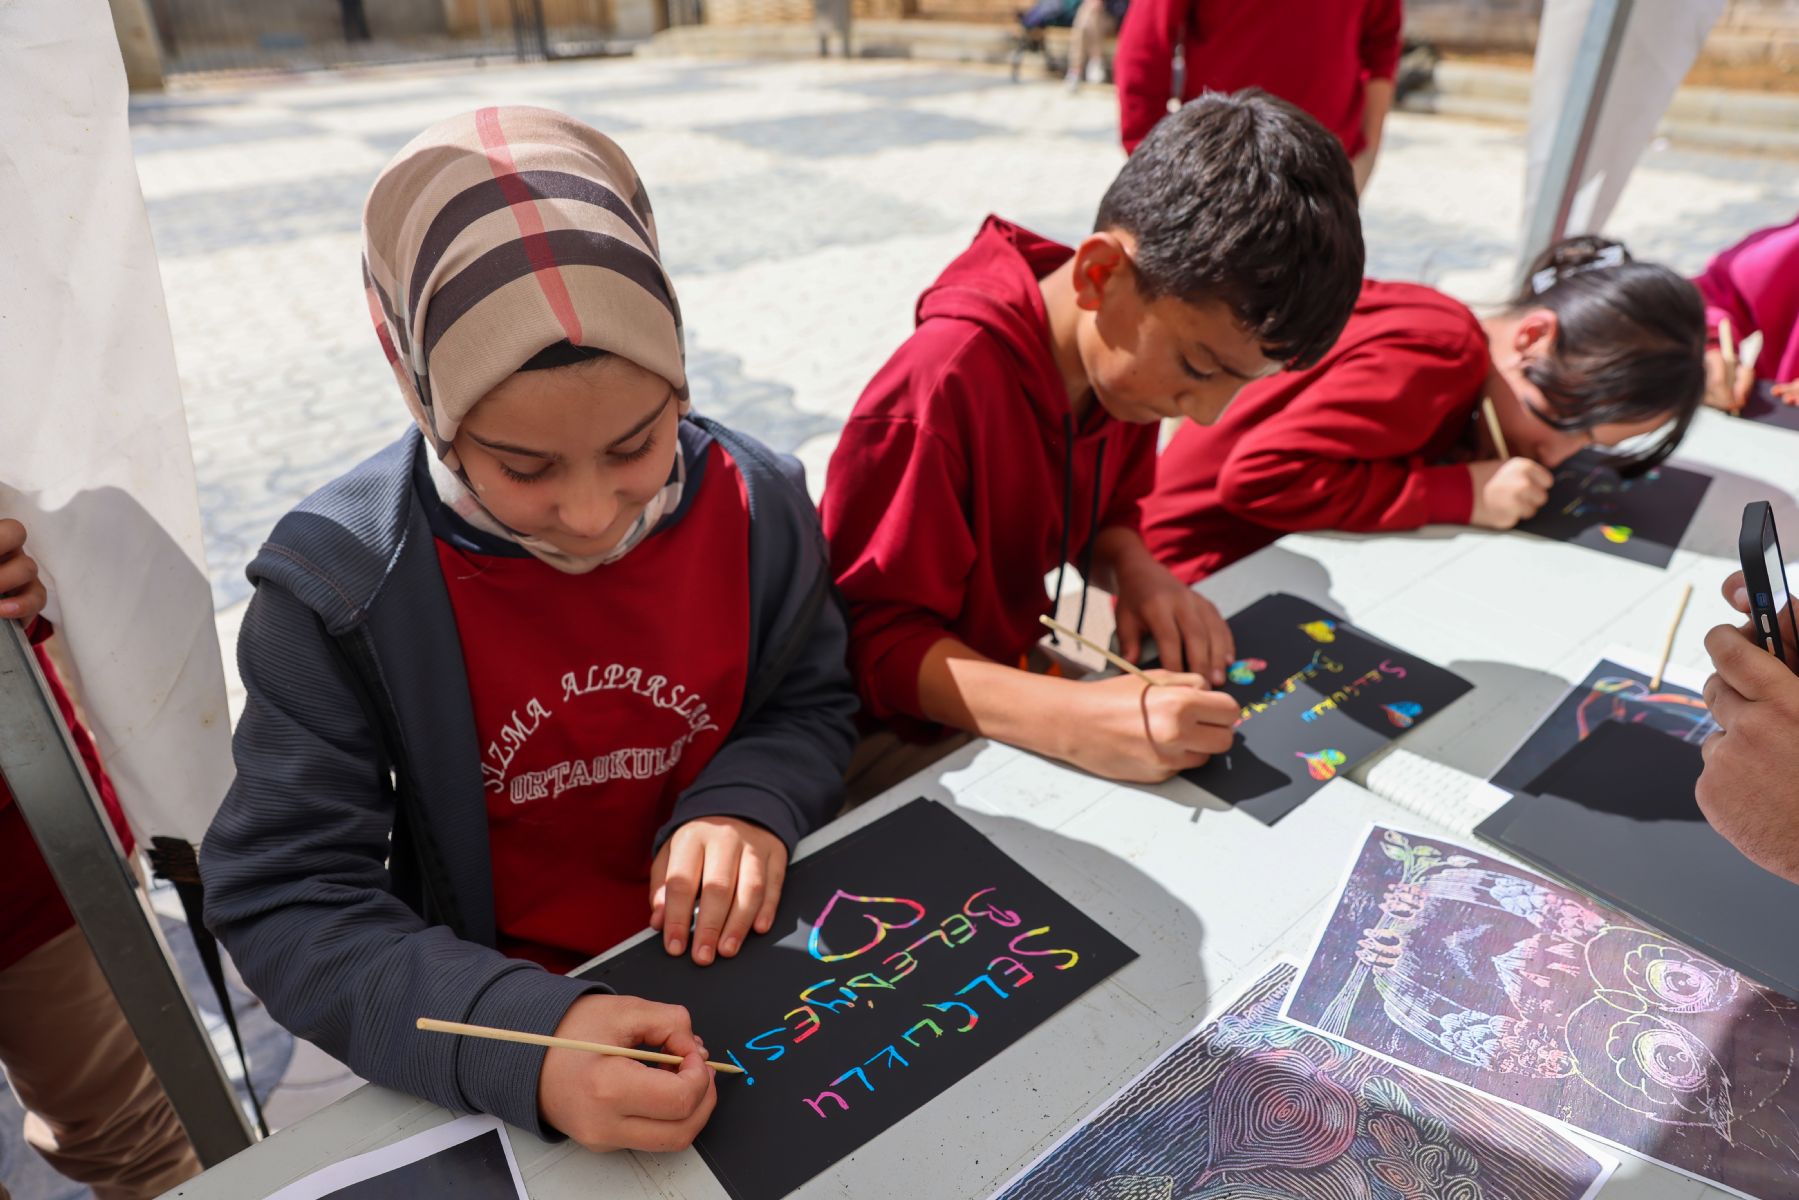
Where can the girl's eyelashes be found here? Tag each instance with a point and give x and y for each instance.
(631, 456)
(520, 476)
(1196, 373)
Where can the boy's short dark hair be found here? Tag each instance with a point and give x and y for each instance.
(1244, 198)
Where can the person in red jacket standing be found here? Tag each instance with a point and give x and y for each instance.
(94, 1110)
(1383, 433)
(1333, 58)
(1014, 433)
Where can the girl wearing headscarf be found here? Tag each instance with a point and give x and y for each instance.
(561, 661)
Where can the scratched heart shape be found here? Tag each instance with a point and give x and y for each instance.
(858, 906)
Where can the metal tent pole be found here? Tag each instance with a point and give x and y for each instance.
(44, 772)
(1587, 83)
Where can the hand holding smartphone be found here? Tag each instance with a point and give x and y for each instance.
(1765, 578)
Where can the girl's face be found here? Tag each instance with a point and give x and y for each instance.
(1524, 413)
(574, 454)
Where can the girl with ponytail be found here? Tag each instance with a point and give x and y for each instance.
(1385, 433)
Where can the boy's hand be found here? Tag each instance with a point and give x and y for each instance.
(1124, 729)
(733, 868)
(1788, 392)
(1718, 392)
(1749, 790)
(606, 1102)
(22, 594)
(1508, 492)
(1190, 634)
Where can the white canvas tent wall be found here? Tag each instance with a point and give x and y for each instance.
(94, 459)
(1605, 72)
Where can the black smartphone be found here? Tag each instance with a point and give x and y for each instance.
(1765, 577)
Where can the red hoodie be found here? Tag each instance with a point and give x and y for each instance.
(956, 486)
(1357, 443)
(1318, 54)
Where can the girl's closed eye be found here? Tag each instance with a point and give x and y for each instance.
(1196, 373)
(641, 452)
(523, 476)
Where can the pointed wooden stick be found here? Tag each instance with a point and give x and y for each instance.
(1116, 660)
(1492, 415)
(492, 1033)
(1680, 610)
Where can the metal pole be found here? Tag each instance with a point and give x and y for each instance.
(1587, 83)
(42, 768)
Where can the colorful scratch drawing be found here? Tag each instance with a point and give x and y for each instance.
(1642, 519)
(1492, 976)
(1402, 714)
(906, 955)
(1323, 765)
(1244, 670)
(1610, 692)
(1250, 1107)
(1321, 696)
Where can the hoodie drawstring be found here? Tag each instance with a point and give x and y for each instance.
(1099, 472)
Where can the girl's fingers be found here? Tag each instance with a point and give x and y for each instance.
(12, 536)
(718, 884)
(26, 604)
(17, 572)
(1165, 627)
(752, 877)
(687, 858)
(771, 891)
(658, 892)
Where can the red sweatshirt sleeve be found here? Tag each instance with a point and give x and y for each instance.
(1144, 65)
(1723, 298)
(1381, 45)
(902, 584)
(1136, 476)
(1348, 451)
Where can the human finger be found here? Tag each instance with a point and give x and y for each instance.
(1744, 666)
(771, 892)
(658, 1094)
(1130, 634)
(718, 884)
(1736, 592)
(746, 901)
(682, 884)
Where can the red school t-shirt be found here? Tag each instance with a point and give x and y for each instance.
(598, 699)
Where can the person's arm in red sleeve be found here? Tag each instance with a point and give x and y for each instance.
(1143, 65)
(1378, 53)
(1346, 453)
(1190, 633)
(901, 550)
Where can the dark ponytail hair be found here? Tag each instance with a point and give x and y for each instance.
(1629, 342)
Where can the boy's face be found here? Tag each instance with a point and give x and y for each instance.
(574, 454)
(1150, 359)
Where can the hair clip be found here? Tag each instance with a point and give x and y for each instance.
(1612, 256)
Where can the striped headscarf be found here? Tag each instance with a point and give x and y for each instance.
(492, 236)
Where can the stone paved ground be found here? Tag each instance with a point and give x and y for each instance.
(802, 207)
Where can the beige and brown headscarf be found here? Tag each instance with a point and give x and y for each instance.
(492, 236)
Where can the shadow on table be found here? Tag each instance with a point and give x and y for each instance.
(1720, 517)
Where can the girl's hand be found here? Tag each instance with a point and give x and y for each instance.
(606, 1102)
(1190, 634)
(1508, 492)
(1717, 393)
(733, 868)
(1121, 728)
(1788, 392)
(22, 594)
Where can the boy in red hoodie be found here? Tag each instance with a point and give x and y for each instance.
(1015, 432)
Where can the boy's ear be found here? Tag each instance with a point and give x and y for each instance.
(1098, 260)
(1536, 328)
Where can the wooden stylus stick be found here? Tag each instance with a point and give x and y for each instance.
(1117, 661)
(1680, 610)
(1727, 346)
(556, 1043)
(1486, 408)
